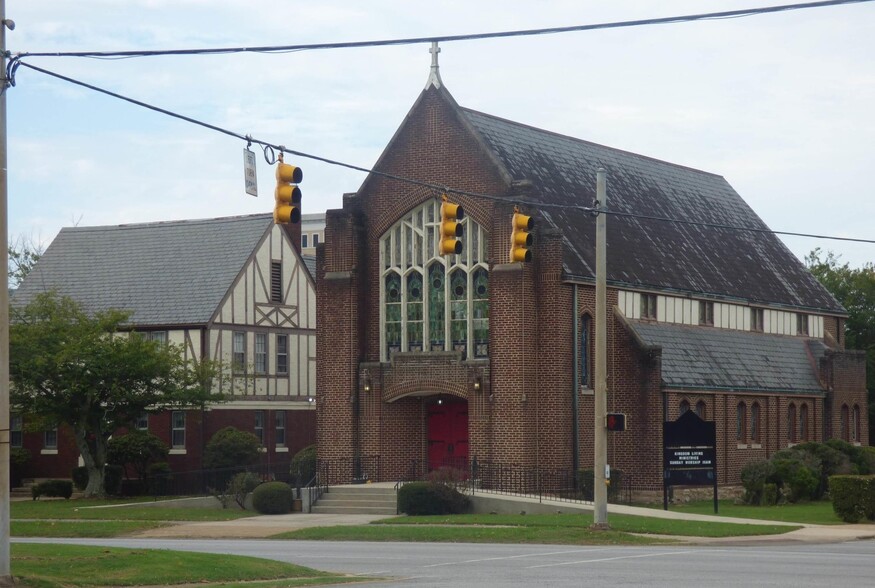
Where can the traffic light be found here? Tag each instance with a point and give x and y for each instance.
(287, 194)
(451, 228)
(615, 421)
(521, 239)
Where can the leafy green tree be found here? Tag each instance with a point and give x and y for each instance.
(855, 289)
(23, 255)
(231, 447)
(137, 449)
(69, 367)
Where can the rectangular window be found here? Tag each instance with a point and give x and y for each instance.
(259, 425)
(282, 354)
(304, 241)
(50, 438)
(648, 306)
(801, 324)
(177, 429)
(159, 336)
(706, 313)
(16, 427)
(315, 239)
(261, 353)
(276, 281)
(756, 320)
(238, 362)
(280, 428)
(143, 422)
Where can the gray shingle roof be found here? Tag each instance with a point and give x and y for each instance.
(715, 359)
(720, 262)
(166, 273)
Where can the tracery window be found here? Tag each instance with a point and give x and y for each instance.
(431, 302)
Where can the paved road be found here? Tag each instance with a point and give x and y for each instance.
(493, 566)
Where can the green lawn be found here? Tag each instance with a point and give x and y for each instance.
(92, 529)
(820, 512)
(81, 509)
(566, 529)
(62, 566)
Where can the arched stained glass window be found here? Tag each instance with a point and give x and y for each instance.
(803, 422)
(444, 302)
(791, 423)
(684, 407)
(700, 409)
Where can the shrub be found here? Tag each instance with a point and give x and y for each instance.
(770, 495)
(18, 456)
(80, 478)
(112, 479)
(856, 455)
(754, 475)
(273, 498)
(796, 478)
(303, 467)
(231, 447)
(241, 485)
(446, 475)
(53, 488)
(850, 496)
(137, 449)
(430, 498)
(832, 462)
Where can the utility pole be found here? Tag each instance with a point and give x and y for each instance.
(5, 436)
(600, 487)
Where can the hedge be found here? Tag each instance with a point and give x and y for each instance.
(430, 498)
(853, 497)
(52, 488)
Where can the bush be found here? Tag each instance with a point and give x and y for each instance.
(18, 456)
(231, 447)
(137, 449)
(303, 467)
(53, 488)
(273, 498)
(754, 475)
(850, 496)
(831, 460)
(430, 498)
(80, 478)
(770, 495)
(241, 485)
(797, 480)
(112, 479)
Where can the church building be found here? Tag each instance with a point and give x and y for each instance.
(427, 360)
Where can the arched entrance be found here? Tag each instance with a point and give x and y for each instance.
(448, 434)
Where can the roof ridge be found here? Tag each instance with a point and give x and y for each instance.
(579, 140)
(167, 223)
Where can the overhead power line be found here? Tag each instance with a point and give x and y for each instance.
(436, 187)
(740, 13)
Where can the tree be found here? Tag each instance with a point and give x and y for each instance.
(23, 255)
(137, 449)
(231, 447)
(855, 289)
(67, 367)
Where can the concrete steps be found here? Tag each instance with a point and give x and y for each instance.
(358, 499)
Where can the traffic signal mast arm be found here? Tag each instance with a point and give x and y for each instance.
(287, 194)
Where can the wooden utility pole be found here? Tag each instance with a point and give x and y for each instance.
(600, 487)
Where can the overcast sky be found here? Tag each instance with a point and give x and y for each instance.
(780, 105)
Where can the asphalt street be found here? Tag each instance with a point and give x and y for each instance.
(493, 566)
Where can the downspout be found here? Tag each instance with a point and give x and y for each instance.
(575, 377)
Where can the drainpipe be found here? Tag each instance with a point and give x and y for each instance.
(575, 377)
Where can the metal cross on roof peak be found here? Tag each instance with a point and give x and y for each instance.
(434, 77)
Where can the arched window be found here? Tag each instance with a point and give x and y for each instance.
(755, 422)
(741, 422)
(585, 345)
(844, 423)
(855, 430)
(684, 406)
(432, 302)
(791, 423)
(803, 422)
(700, 409)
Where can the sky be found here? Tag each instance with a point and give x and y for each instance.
(780, 105)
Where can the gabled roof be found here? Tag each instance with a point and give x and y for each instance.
(708, 358)
(755, 267)
(166, 273)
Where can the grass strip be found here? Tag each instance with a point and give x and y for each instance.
(470, 534)
(818, 513)
(57, 566)
(82, 509)
(82, 529)
(618, 522)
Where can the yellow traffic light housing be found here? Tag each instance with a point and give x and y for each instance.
(287, 194)
(451, 228)
(521, 239)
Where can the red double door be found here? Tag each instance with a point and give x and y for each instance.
(448, 435)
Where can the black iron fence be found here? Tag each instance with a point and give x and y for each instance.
(200, 482)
